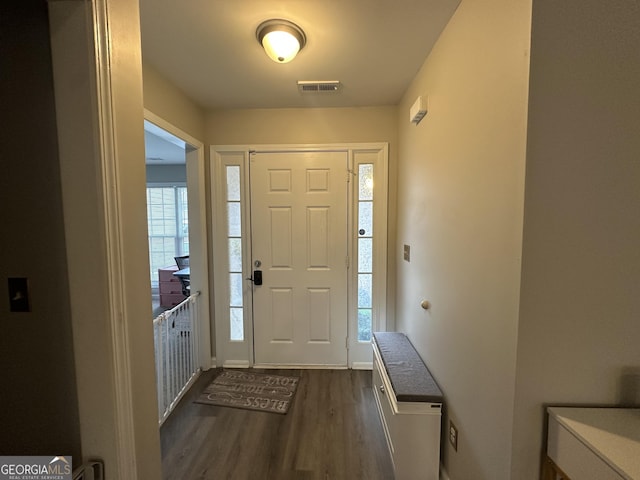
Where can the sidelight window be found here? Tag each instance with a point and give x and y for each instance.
(234, 238)
(365, 251)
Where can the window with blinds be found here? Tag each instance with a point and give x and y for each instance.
(168, 225)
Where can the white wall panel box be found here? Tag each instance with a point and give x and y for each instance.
(418, 110)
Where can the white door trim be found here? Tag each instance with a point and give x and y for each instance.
(240, 353)
(377, 154)
(98, 91)
(229, 353)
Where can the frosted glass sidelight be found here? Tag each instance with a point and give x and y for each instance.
(364, 324)
(365, 255)
(234, 219)
(365, 219)
(233, 183)
(235, 289)
(365, 251)
(364, 290)
(365, 181)
(235, 255)
(237, 324)
(234, 234)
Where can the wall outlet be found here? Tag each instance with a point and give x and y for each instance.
(453, 436)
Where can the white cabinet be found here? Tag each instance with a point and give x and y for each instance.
(594, 443)
(412, 429)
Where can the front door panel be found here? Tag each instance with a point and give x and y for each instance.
(299, 241)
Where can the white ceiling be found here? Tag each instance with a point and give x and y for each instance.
(208, 49)
(161, 147)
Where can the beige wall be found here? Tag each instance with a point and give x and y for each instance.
(579, 328)
(168, 102)
(315, 126)
(36, 348)
(302, 125)
(460, 204)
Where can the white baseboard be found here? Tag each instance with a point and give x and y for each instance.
(214, 363)
(298, 367)
(443, 473)
(236, 364)
(246, 364)
(362, 365)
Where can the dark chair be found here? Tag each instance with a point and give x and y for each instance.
(183, 262)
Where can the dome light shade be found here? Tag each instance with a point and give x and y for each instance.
(281, 39)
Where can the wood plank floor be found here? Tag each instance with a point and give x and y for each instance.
(332, 431)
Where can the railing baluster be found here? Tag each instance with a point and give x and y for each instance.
(92, 470)
(176, 353)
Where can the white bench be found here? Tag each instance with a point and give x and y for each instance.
(410, 406)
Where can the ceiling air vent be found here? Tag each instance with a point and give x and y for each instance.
(306, 86)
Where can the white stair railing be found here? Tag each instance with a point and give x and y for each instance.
(174, 334)
(92, 470)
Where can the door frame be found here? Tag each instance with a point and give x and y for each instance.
(239, 353)
(97, 72)
(198, 242)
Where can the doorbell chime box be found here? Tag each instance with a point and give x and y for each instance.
(418, 110)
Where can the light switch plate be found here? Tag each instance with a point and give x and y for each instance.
(18, 295)
(407, 253)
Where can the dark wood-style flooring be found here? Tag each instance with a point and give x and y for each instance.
(332, 431)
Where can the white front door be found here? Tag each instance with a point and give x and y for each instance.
(299, 240)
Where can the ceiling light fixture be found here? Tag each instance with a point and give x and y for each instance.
(281, 39)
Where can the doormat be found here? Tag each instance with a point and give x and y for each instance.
(252, 391)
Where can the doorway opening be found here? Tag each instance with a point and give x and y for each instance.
(167, 214)
(178, 259)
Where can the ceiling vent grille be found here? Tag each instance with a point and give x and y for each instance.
(328, 86)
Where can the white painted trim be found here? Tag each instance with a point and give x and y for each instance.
(362, 366)
(98, 90)
(169, 127)
(305, 147)
(378, 155)
(227, 349)
(443, 473)
(287, 366)
(124, 420)
(236, 364)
